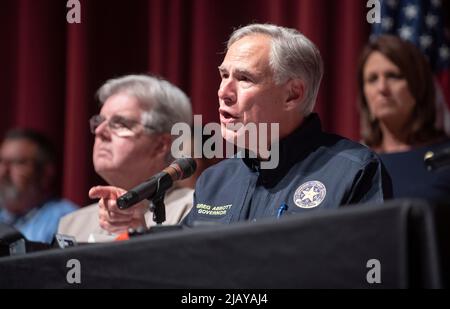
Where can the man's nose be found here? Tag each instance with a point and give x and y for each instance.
(227, 91)
(102, 130)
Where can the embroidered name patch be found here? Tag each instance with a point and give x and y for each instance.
(209, 210)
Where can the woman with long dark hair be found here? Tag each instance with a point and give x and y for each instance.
(397, 98)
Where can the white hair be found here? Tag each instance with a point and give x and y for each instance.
(292, 56)
(163, 103)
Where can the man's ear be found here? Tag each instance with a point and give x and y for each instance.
(295, 89)
(163, 144)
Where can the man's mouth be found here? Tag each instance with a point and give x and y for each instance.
(8, 192)
(102, 151)
(227, 117)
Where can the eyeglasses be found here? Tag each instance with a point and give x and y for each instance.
(118, 125)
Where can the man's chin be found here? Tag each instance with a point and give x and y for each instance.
(229, 135)
(9, 200)
(236, 139)
(8, 193)
(104, 165)
(103, 171)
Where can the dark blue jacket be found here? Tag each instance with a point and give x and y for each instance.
(316, 171)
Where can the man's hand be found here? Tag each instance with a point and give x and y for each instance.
(113, 219)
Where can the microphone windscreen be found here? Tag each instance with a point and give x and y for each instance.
(187, 167)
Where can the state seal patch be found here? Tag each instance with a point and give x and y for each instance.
(310, 194)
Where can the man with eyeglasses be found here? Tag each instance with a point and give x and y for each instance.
(271, 75)
(132, 143)
(27, 173)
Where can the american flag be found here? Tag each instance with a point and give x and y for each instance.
(421, 22)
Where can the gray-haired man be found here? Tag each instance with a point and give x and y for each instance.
(271, 75)
(132, 143)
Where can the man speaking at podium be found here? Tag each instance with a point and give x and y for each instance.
(132, 143)
(272, 75)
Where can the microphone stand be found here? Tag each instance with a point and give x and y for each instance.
(159, 208)
(159, 215)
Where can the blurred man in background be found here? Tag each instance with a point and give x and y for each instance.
(27, 197)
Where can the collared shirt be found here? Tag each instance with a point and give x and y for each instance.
(41, 223)
(316, 171)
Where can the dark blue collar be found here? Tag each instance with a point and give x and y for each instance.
(293, 148)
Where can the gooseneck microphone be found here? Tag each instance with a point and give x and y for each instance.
(438, 159)
(159, 183)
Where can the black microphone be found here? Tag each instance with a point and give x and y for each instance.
(159, 183)
(12, 242)
(438, 159)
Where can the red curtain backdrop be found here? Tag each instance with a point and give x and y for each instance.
(50, 70)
